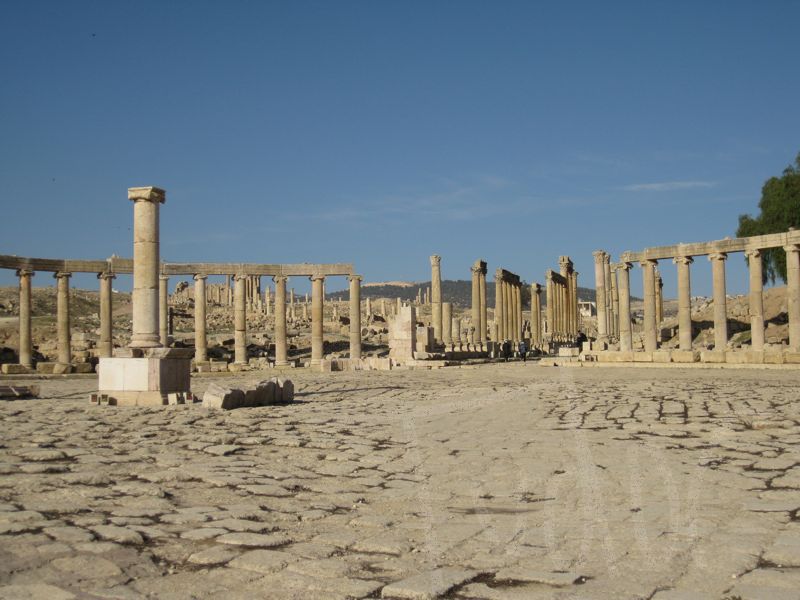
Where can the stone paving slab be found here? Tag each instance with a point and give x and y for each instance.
(504, 481)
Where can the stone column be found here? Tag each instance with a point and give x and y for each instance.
(650, 326)
(145, 265)
(163, 310)
(536, 314)
(624, 286)
(659, 304)
(684, 302)
(105, 349)
(476, 297)
(267, 302)
(280, 321)
(614, 303)
(549, 299)
(62, 308)
(600, 295)
(25, 337)
(518, 310)
(200, 341)
(498, 303)
(756, 262)
(573, 309)
(720, 300)
(793, 295)
(447, 323)
(317, 281)
(607, 289)
(436, 296)
(355, 316)
(240, 319)
(557, 309)
(506, 310)
(484, 308)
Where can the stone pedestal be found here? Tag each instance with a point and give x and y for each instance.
(145, 378)
(403, 334)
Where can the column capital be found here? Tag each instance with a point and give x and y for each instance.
(435, 260)
(25, 273)
(718, 256)
(648, 262)
(753, 252)
(624, 266)
(599, 255)
(239, 277)
(62, 275)
(106, 275)
(683, 260)
(163, 277)
(355, 278)
(537, 288)
(548, 275)
(317, 277)
(476, 270)
(791, 248)
(498, 274)
(199, 276)
(280, 278)
(147, 194)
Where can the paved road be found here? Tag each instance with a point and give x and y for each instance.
(503, 481)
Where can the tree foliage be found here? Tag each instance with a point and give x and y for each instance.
(779, 210)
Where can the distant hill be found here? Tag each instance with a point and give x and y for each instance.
(458, 292)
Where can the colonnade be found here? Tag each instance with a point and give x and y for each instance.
(508, 306)
(561, 291)
(683, 256)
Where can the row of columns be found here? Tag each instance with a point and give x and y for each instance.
(281, 348)
(508, 306)
(479, 309)
(653, 300)
(560, 319)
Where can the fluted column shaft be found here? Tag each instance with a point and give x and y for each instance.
(355, 316)
(720, 300)
(163, 310)
(200, 339)
(25, 337)
(649, 283)
(600, 295)
(145, 266)
(614, 304)
(62, 317)
(756, 262)
(317, 281)
(684, 302)
(536, 314)
(484, 308)
(624, 286)
(498, 305)
(793, 295)
(105, 349)
(607, 289)
(549, 304)
(240, 319)
(280, 321)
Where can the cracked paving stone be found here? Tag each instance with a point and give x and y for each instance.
(551, 578)
(217, 555)
(428, 585)
(254, 539)
(263, 561)
(121, 535)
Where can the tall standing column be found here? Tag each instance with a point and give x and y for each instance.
(614, 303)
(62, 308)
(146, 202)
(25, 337)
(240, 319)
(506, 310)
(607, 289)
(436, 296)
(684, 302)
(624, 286)
(793, 295)
(649, 280)
(600, 295)
(476, 297)
(720, 300)
(317, 281)
(659, 304)
(498, 303)
(549, 302)
(105, 348)
(484, 308)
(163, 310)
(756, 262)
(536, 314)
(280, 321)
(447, 323)
(267, 302)
(355, 316)
(200, 340)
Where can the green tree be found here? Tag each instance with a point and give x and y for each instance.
(779, 210)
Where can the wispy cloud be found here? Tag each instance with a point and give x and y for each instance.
(668, 186)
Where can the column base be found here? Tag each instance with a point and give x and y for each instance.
(145, 381)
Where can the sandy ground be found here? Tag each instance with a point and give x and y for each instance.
(502, 481)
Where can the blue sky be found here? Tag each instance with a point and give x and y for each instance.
(380, 133)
